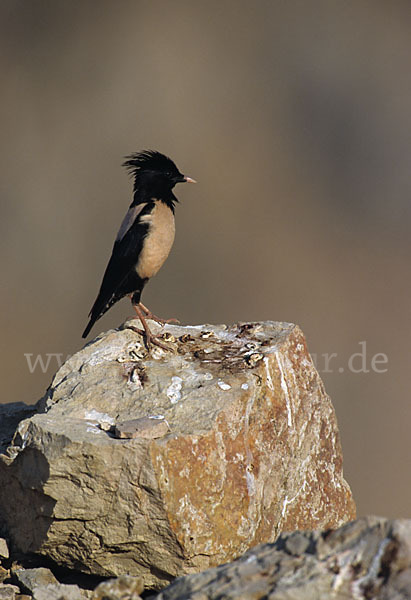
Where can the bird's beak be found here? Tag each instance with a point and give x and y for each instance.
(189, 180)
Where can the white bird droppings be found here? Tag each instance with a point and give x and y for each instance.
(95, 415)
(268, 374)
(174, 389)
(284, 387)
(250, 479)
(94, 430)
(223, 386)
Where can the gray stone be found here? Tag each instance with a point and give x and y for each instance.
(145, 427)
(253, 450)
(30, 579)
(297, 543)
(366, 559)
(59, 591)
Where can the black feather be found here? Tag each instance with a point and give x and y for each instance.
(120, 277)
(149, 160)
(153, 172)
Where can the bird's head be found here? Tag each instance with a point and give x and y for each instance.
(154, 172)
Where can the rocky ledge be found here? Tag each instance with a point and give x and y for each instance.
(363, 560)
(160, 464)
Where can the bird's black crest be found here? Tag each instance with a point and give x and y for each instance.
(148, 160)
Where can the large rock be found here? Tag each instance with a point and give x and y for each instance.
(369, 559)
(232, 440)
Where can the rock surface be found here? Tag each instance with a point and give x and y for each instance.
(124, 587)
(369, 559)
(60, 591)
(29, 579)
(250, 449)
(10, 416)
(8, 591)
(4, 549)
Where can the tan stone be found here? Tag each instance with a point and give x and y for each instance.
(253, 450)
(4, 574)
(4, 549)
(124, 587)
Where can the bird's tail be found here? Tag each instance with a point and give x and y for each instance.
(88, 328)
(100, 307)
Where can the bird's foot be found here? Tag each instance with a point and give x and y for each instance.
(136, 329)
(149, 315)
(153, 340)
(150, 339)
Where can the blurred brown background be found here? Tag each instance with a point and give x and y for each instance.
(295, 118)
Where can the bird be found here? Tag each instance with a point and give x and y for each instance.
(143, 241)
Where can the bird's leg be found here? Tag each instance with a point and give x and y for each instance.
(149, 315)
(150, 338)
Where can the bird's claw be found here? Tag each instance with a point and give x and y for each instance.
(149, 315)
(160, 320)
(136, 329)
(154, 340)
(150, 339)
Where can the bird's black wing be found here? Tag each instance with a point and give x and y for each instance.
(120, 272)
